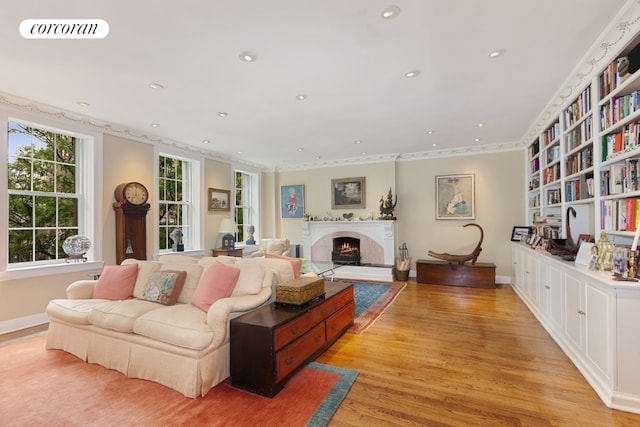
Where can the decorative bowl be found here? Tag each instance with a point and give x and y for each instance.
(76, 245)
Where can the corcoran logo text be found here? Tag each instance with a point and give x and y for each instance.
(64, 29)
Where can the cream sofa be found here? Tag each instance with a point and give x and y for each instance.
(179, 346)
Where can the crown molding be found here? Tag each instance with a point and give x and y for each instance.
(24, 105)
(620, 32)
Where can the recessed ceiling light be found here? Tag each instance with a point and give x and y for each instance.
(318, 157)
(497, 53)
(238, 152)
(480, 125)
(205, 141)
(156, 86)
(83, 103)
(390, 12)
(300, 149)
(357, 141)
(434, 145)
(477, 140)
(412, 73)
(364, 153)
(248, 56)
(431, 132)
(301, 97)
(155, 125)
(222, 114)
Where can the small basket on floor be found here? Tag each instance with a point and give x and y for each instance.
(400, 275)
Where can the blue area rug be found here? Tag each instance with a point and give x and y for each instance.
(337, 394)
(372, 299)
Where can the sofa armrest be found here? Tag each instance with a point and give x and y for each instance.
(81, 289)
(220, 312)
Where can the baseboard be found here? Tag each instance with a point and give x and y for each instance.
(23, 323)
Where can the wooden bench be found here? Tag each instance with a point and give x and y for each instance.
(480, 275)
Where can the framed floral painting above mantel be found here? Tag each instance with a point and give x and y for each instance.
(455, 197)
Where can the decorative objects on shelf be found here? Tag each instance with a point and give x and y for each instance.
(455, 198)
(250, 240)
(229, 228)
(348, 193)
(461, 259)
(387, 206)
(219, 200)
(176, 235)
(520, 233)
(605, 252)
(76, 247)
(292, 199)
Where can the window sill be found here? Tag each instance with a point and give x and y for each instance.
(50, 269)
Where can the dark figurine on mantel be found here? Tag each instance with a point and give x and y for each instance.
(387, 206)
(461, 259)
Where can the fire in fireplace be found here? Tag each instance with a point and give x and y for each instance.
(346, 250)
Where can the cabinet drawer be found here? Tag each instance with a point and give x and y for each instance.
(323, 311)
(344, 298)
(284, 334)
(290, 357)
(340, 320)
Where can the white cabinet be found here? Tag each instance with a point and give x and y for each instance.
(591, 317)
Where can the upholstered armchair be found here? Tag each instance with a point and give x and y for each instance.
(273, 247)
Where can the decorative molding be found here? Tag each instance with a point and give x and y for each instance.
(20, 104)
(620, 32)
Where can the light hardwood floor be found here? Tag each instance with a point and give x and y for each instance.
(453, 356)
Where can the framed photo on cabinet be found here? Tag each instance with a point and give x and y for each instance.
(219, 200)
(455, 197)
(520, 233)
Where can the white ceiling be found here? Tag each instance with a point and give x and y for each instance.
(340, 53)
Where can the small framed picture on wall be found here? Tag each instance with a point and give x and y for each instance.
(292, 199)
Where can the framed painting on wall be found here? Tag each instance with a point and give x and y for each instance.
(292, 200)
(455, 198)
(348, 193)
(219, 200)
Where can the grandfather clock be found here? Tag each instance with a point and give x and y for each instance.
(131, 210)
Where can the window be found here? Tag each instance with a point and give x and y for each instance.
(43, 198)
(246, 203)
(177, 206)
(46, 193)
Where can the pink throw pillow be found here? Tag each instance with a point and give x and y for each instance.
(217, 282)
(116, 282)
(295, 262)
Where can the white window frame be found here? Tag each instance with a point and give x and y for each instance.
(89, 182)
(194, 195)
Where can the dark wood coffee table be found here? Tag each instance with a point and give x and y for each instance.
(270, 344)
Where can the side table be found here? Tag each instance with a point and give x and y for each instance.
(228, 252)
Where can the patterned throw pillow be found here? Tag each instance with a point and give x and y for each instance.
(164, 287)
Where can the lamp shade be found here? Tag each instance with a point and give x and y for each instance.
(228, 226)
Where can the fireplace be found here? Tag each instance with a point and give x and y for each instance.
(346, 250)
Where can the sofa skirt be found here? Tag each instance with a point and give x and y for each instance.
(190, 372)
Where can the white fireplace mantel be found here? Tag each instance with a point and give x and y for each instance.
(381, 232)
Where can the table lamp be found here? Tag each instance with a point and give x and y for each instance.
(229, 228)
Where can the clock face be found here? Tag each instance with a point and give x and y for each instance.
(136, 193)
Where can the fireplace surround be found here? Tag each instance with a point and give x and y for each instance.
(377, 245)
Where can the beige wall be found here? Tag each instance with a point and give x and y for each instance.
(499, 197)
(500, 202)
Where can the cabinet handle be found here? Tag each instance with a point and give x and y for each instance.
(318, 338)
(581, 312)
(547, 286)
(290, 360)
(295, 329)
